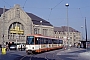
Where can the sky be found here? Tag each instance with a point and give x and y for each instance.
(55, 11)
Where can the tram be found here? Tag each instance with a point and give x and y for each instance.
(39, 43)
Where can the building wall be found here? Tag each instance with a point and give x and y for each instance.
(16, 16)
(75, 37)
(44, 30)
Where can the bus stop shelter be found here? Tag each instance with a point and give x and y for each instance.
(85, 44)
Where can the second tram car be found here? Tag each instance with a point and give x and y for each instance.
(40, 43)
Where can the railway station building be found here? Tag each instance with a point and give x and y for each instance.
(15, 24)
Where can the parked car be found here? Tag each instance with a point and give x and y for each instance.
(13, 47)
(0, 46)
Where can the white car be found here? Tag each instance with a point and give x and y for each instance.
(13, 47)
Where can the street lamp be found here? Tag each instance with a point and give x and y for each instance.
(82, 32)
(67, 25)
(3, 27)
(41, 26)
(3, 45)
(86, 31)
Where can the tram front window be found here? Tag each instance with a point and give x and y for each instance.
(30, 40)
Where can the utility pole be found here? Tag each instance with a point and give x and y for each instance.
(3, 25)
(3, 46)
(68, 38)
(82, 33)
(86, 31)
(41, 26)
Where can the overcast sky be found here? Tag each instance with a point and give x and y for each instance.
(55, 11)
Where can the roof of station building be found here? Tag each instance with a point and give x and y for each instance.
(35, 19)
(65, 29)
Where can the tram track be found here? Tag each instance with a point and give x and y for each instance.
(26, 57)
(22, 57)
(54, 54)
(50, 55)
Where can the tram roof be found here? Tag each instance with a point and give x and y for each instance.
(39, 35)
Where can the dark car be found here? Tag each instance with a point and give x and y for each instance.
(0, 46)
(13, 47)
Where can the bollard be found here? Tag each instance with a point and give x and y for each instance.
(3, 50)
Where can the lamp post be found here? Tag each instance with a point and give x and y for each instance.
(86, 31)
(82, 33)
(41, 26)
(67, 26)
(3, 26)
(3, 45)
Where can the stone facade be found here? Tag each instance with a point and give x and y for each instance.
(15, 24)
(62, 32)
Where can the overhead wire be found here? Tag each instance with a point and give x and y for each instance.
(80, 12)
(57, 4)
(54, 8)
(6, 3)
(24, 3)
(50, 14)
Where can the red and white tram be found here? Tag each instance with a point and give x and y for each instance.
(40, 43)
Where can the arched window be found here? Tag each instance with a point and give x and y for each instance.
(15, 29)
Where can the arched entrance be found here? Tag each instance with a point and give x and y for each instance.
(16, 33)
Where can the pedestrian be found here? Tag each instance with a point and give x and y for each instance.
(7, 47)
(21, 47)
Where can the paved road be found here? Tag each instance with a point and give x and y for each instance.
(72, 54)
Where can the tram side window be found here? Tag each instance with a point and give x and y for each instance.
(39, 40)
(49, 41)
(54, 41)
(44, 41)
(61, 41)
(58, 42)
(36, 40)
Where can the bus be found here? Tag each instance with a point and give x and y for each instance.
(39, 43)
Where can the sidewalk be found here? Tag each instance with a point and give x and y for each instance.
(73, 54)
(86, 54)
(74, 49)
(71, 51)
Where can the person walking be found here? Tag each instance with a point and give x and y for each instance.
(7, 47)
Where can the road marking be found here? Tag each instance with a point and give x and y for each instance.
(23, 57)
